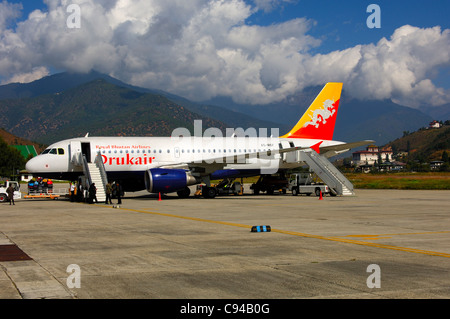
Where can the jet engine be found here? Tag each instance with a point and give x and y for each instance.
(164, 180)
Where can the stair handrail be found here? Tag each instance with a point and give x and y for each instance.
(336, 180)
(99, 163)
(337, 174)
(86, 170)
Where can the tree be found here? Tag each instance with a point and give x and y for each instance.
(444, 157)
(10, 159)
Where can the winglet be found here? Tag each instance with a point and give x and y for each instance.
(316, 147)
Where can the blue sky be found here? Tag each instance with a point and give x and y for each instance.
(258, 51)
(342, 24)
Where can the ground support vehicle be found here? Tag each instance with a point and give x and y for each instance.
(226, 187)
(303, 183)
(4, 194)
(270, 184)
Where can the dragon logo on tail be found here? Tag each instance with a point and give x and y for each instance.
(321, 115)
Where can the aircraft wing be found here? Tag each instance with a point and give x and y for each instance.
(211, 164)
(329, 151)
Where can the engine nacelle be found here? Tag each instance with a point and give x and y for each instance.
(164, 180)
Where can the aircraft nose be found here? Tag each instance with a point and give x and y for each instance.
(34, 165)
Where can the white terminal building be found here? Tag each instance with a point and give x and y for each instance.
(371, 155)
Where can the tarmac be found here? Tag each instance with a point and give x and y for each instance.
(379, 244)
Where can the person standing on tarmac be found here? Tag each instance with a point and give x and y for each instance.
(10, 190)
(119, 193)
(92, 194)
(72, 192)
(108, 193)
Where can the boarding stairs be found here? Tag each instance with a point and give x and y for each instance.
(95, 173)
(327, 172)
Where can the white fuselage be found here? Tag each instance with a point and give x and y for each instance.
(126, 156)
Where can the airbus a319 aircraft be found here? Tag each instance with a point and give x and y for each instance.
(171, 164)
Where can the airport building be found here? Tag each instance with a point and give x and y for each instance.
(371, 155)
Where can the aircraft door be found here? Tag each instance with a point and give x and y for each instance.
(75, 154)
(86, 151)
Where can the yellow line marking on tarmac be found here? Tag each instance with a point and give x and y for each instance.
(299, 234)
(401, 234)
(384, 236)
(188, 217)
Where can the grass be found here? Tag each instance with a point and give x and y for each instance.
(438, 180)
(422, 181)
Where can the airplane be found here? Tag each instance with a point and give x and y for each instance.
(171, 164)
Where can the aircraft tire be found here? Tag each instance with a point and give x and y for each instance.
(209, 192)
(184, 193)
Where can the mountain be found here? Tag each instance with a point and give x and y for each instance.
(424, 144)
(11, 139)
(62, 82)
(382, 121)
(97, 107)
(439, 113)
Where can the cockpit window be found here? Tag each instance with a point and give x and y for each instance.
(54, 151)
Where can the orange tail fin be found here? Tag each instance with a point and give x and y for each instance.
(319, 120)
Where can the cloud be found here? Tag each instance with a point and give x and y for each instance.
(400, 68)
(35, 74)
(8, 13)
(269, 5)
(203, 48)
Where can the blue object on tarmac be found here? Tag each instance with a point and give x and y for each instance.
(260, 229)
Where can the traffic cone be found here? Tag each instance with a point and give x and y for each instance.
(320, 197)
(159, 199)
